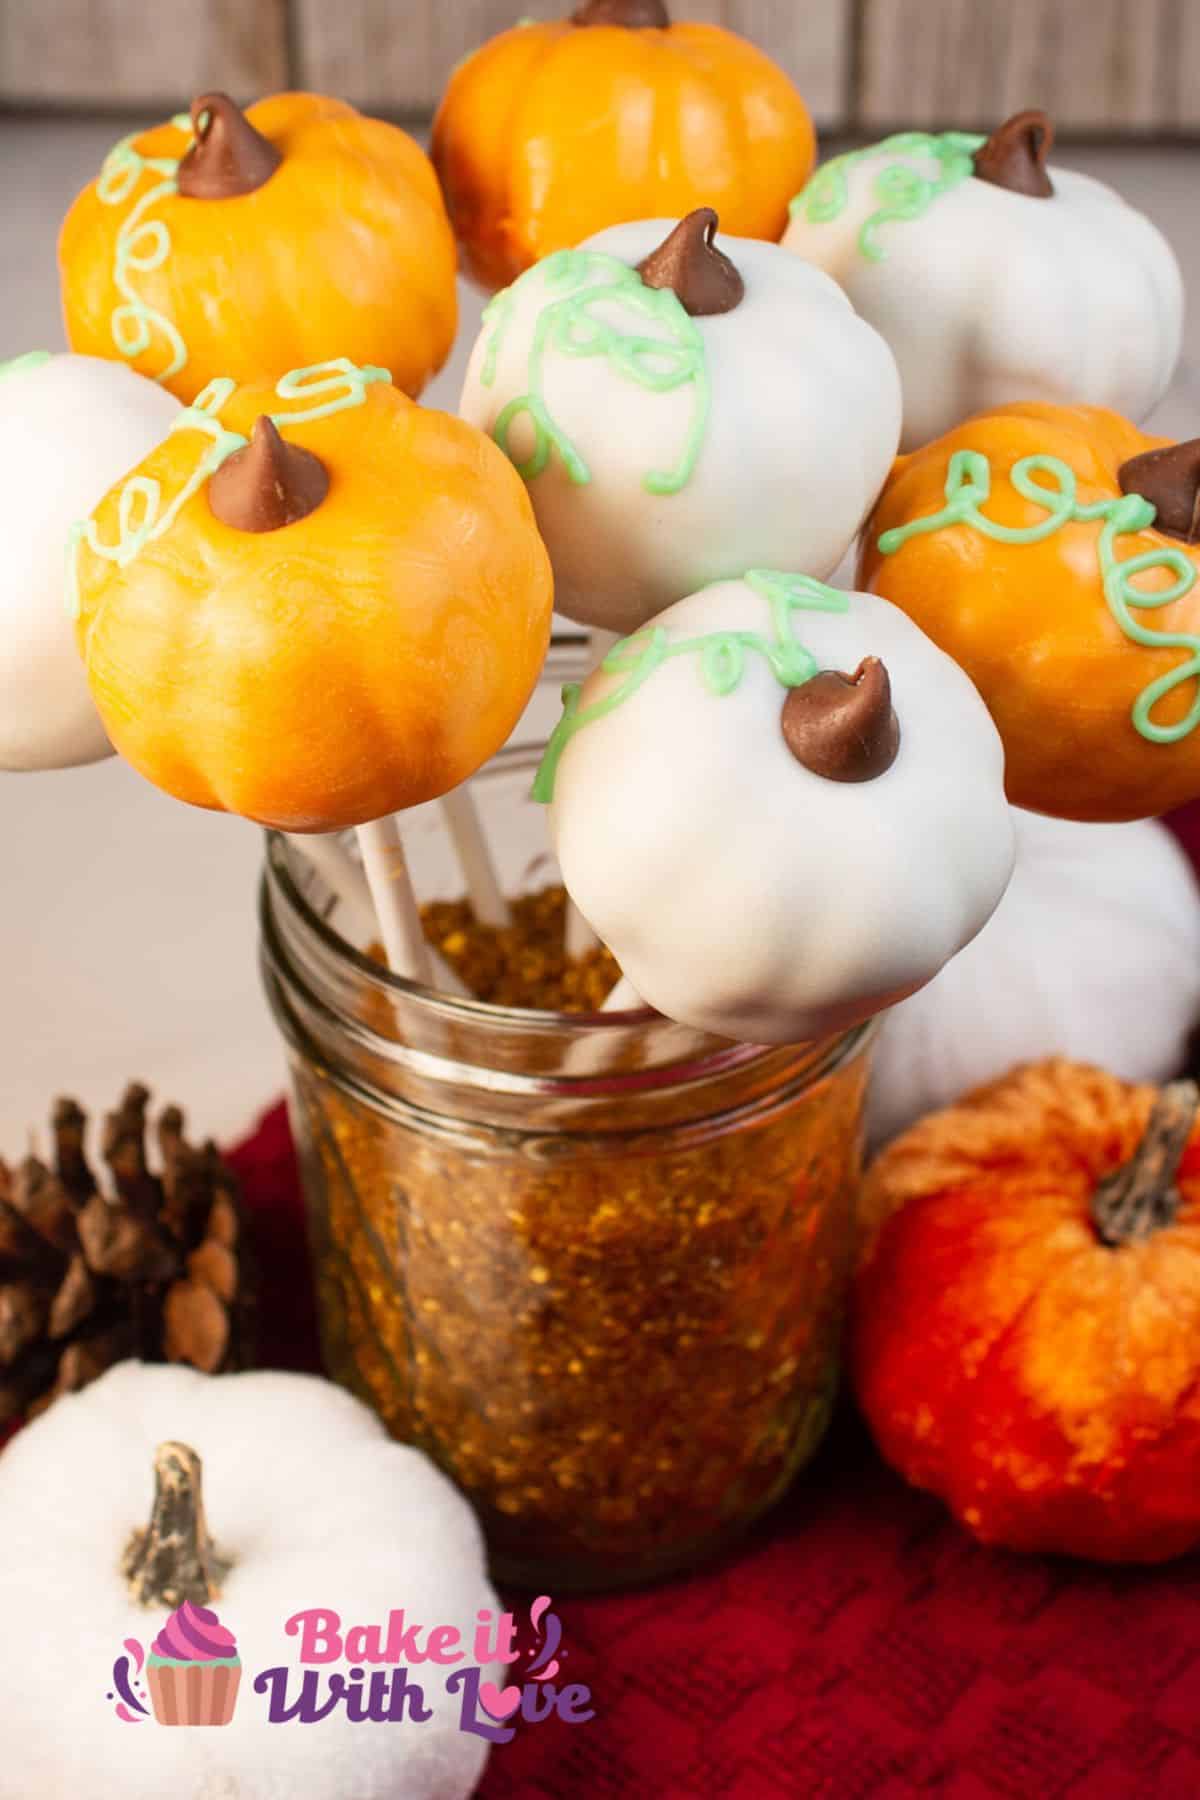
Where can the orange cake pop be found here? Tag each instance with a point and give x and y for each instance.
(231, 244)
(551, 132)
(314, 604)
(1053, 551)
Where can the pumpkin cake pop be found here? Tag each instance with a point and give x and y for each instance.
(781, 807)
(231, 244)
(682, 409)
(70, 426)
(314, 604)
(993, 276)
(554, 130)
(1053, 552)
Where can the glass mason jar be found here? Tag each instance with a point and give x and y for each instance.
(593, 1265)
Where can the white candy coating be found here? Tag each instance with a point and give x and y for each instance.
(802, 425)
(991, 296)
(743, 894)
(69, 428)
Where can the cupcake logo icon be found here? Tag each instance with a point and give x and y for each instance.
(191, 1675)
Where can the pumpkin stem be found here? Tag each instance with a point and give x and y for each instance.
(1014, 157)
(1170, 479)
(688, 262)
(1138, 1199)
(843, 726)
(269, 483)
(634, 15)
(174, 1559)
(229, 157)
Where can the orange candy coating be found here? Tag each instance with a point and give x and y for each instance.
(1029, 622)
(368, 657)
(551, 132)
(345, 249)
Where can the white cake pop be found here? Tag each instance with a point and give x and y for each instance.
(680, 413)
(781, 806)
(70, 426)
(992, 277)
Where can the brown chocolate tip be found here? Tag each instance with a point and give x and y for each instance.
(843, 726)
(229, 157)
(1170, 479)
(1014, 157)
(267, 484)
(688, 262)
(634, 15)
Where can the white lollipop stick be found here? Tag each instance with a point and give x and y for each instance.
(471, 846)
(386, 869)
(348, 881)
(624, 998)
(579, 937)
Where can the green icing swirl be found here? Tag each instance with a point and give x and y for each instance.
(902, 191)
(141, 515)
(577, 282)
(722, 657)
(32, 359)
(142, 245)
(969, 486)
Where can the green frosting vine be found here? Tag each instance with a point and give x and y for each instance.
(32, 359)
(902, 191)
(141, 516)
(142, 244)
(577, 283)
(969, 486)
(722, 657)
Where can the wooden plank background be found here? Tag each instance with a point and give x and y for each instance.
(868, 65)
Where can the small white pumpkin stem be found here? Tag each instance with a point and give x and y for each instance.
(174, 1558)
(1139, 1198)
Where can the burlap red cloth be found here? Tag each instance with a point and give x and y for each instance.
(860, 1644)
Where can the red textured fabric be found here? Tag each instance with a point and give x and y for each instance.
(860, 1644)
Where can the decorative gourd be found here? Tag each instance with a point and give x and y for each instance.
(343, 617)
(1093, 951)
(1053, 552)
(244, 245)
(554, 130)
(309, 1505)
(993, 277)
(1026, 1332)
(69, 426)
(683, 411)
(780, 807)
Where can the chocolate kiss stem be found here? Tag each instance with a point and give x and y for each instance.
(843, 726)
(229, 157)
(1014, 157)
(688, 262)
(267, 484)
(634, 15)
(1170, 479)
(173, 1559)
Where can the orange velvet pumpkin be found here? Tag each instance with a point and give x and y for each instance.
(553, 131)
(1052, 551)
(344, 617)
(281, 236)
(1026, 1321)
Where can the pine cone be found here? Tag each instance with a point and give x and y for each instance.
(156, 1268)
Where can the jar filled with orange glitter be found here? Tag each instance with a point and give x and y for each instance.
(593, 1263)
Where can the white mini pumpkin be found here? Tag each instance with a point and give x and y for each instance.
(991, 293)
(665, 448)
(1094, 954)
(70, 426)
(314, 1505)
(736, 816)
